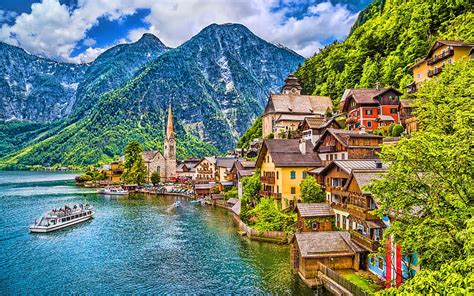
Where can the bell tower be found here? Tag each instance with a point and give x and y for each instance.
(170, 147)
(292, 86)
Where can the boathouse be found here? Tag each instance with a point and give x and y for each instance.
(333, 249)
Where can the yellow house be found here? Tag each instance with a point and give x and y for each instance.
(113, 172)
(283, 164)
(441, 53)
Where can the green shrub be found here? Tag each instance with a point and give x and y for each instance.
(311, 191)
(267, 216)
(397, 130)
(232, 193)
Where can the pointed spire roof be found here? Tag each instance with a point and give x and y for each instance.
(169, 128)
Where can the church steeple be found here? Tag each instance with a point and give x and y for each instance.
(169, 128)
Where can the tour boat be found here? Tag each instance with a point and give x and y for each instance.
(112, 191)
(64, 217)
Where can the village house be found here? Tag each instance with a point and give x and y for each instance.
(240, 170)
(283, 164)
(113, 172)
(333, 249)
(313, 127)
(442, 53)
(314, 217)
(205, 170)
(284, 112)
(338, 144)
(164, 164)
(185, 170)
(224, 175)
(371, 108)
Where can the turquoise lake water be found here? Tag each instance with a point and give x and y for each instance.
(133, 245)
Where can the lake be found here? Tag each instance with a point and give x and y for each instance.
(134, 244)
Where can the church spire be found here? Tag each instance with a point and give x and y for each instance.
(169, 129)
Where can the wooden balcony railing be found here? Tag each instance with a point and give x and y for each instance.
(435, 71)
(324, 149)
(270, 194)
(268, 180)
(363, 241)
(362, 213)
(440, 57)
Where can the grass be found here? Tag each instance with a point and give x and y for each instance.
(361, 282)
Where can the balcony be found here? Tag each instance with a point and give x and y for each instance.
(338, 191)
(324, 149)
(267, 180)
(434, 72)
(362, 213)
(363, 241)
(440, 57)
(270, 194)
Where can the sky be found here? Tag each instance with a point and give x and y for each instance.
(79, 30)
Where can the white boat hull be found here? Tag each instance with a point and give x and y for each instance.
(44, 229)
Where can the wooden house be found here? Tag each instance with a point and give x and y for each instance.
(334, 249)
(313, 127)
(337, 144)
(205, 170)
(113, 172)
(224, 174)
(240, 170)
(371, 108)
(284, 112)
(314, 217)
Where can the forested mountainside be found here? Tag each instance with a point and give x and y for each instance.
(217, 83)
(388, 36)
(36, 89)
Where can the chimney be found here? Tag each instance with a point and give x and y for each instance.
(378, 164)
(303, 146)
(377, 85)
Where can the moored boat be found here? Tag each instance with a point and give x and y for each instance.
(111, 190)
(64, 217)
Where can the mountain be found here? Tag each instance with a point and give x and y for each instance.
(34, 88)
(388, 36)
(217, 83)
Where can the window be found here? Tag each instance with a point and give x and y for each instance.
(343, 156)
(380, 263)
(314, 225)
(344, 222)
(368, 112)
(278, 189)
(335, 156)
(293, 190)
(369, 123)
(292, 175)
(372, 261)
(303, 175)
(391, 98)
(393, 110)
(338, 219)
(418, 76)
(278, 175)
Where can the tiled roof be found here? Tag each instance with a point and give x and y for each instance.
(314, 122)
(325, 244)
(247, 163)
(407, 102)
(314, 209)
(286, 103)
(365, 177)
(386, 118)
(149, 155)
(232, 200)
(362, 95)
(343, 136)
(226, 162)
(355, 164)
(286, 153)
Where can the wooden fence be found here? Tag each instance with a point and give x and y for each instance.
(340, 280)
(269, 236)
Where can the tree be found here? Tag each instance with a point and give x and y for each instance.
(311, 191)
(267, 216)
(250, 196)
(397, 130)
(429, 185)
(155, 178)
(135, 170)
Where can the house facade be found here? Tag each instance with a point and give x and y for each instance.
(314, 217)
(205, 170)
(371, 108)
(284, 112)
(313, 127)
(283, 165)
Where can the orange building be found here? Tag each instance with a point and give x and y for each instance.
(371, 108)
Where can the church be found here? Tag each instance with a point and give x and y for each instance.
(164, 163)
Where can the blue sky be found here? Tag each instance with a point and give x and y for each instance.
(79, 30)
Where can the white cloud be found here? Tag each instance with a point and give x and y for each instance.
(53, 30)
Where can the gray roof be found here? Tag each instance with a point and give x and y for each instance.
(355, 164)
(288, 103)
(286, 153)
(314, 209)
(326, 243)
(364, 178)
(226, 162)
(343, 136)
(150, 155)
